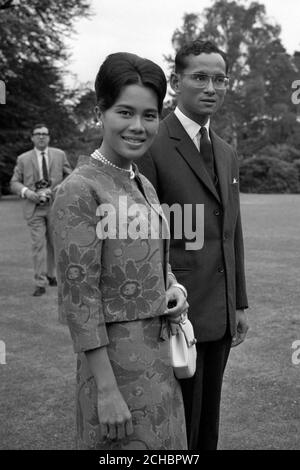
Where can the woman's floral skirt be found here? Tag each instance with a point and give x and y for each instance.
(141, 364)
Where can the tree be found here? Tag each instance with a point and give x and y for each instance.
(258, 107)
(84, 111)
(33, 56)
(35, 30)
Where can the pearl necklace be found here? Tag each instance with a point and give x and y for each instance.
(99, 156)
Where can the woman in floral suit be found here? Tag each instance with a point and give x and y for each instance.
(116, 289)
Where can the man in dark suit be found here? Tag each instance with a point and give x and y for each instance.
(189, 164)
(36, 177)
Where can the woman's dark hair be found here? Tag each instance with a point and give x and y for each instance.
(122, 69)
(195, 48)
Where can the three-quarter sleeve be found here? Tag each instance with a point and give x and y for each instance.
(67, 170)
(78, 261)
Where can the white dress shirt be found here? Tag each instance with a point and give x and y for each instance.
(191, 127)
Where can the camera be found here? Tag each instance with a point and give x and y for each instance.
(42, 188)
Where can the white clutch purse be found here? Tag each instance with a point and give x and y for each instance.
(183, 351)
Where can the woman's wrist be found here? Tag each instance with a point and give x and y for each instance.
(181, 287)
(101, 369)
(107, 388)
(171, 279)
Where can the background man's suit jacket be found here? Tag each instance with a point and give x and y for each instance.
(214, 275)
(26, 174)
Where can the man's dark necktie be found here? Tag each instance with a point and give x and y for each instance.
(207, 153)
(44, 167)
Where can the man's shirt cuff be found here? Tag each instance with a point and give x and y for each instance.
(23, 192)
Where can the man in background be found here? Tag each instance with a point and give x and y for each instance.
(36, 177)
(189, 164)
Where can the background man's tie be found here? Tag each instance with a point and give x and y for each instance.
(207, 153)
(44, 167)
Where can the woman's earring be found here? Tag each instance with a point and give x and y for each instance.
(100, 124)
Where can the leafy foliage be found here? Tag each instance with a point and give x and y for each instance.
(33, 56)
(258, 109)
(36, 30)
(266, 174)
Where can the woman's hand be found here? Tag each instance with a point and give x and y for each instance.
(177, 306)
(114, 416)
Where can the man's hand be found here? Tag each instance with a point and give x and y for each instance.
(32, 196)
(241, 328)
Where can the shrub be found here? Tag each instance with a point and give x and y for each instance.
(264, 174)
(284, 152)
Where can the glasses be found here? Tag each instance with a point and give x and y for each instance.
(41, 134)
(201, 80)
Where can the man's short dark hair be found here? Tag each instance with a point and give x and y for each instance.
(39, 125)
(195, 48)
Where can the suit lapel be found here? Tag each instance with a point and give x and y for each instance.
(50, 159)
(189, 152)
(222, 160)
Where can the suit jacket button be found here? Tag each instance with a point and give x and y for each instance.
(217, 212)
(220, 269)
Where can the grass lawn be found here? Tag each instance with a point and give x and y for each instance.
(260, 405)
(261, 394)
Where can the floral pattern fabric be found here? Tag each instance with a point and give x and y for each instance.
(131, 288)
(141, 364)
(91, 268)
(111, 292)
